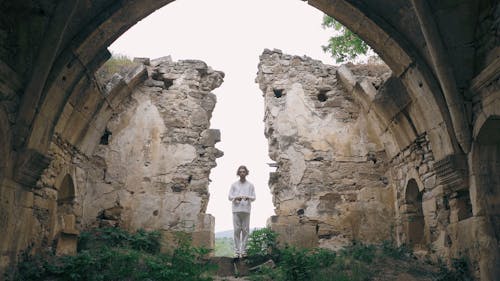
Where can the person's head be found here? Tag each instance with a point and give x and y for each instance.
(242, 171)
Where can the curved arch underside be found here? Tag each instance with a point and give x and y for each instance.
(82, 48)
(443, 53)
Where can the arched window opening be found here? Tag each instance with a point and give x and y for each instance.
(414, 216)
(66, 192)
(487, 171)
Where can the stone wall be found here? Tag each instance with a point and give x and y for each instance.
(341, 177)
(331, 184)
(151, 166)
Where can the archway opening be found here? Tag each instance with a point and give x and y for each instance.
(66, 192)
(487, 172)
(414, 216)
(239, 109)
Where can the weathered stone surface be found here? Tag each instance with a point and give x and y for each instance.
(151, 167)
(330, 182)
(35, 85)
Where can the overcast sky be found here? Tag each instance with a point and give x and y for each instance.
(229, 35)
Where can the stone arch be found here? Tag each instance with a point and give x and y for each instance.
(486, 172)
(485, 191)
(78, 60)
(413, 216)
(65, 203)
(429, 110)
(66, 233)
(87, 51)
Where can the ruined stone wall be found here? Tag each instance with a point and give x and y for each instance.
(436, 215)
(484, 174)
(155, 165)
(334, 182)
(151, 168)
(18, 217)
(331, 181)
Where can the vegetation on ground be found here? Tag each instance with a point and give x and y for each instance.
(113, 254)
(357, 262)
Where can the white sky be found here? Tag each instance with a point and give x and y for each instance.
(229, 35)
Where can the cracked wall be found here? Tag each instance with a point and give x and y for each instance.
(330, 186)
(150, 168)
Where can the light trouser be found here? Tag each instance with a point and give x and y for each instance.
(241, 224)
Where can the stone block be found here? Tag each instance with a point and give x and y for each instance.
(67, 244)
(42, 203)
(29, 166)
(210, 137)
(63, 119)
(430, 182)
(395, 57)
(68, 222)
(75, 127)
(292, 232)
(205, 239)
(429, 206)
(145, 61)
(345, 76)
(136, 76)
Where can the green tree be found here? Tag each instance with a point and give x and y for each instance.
(346, 45)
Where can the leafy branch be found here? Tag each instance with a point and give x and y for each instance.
(346, 45)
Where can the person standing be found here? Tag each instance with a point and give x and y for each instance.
(241, 194)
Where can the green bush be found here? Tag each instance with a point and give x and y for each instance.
(360, 252)
(113, 254)
(262, 245)
(116, 237)
(302, 264)
(389, 249)
(458, 272)
(351, 263)
(293, 264)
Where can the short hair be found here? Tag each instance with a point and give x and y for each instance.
(242, 167)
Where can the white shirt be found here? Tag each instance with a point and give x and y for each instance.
(242, 189)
